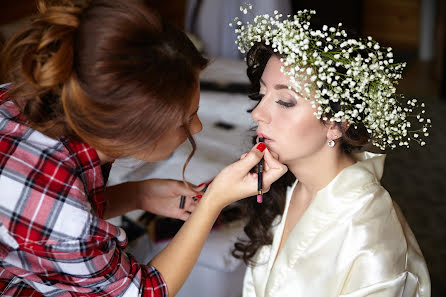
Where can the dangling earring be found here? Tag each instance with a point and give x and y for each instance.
(331, 143)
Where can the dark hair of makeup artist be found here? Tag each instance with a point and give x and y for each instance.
(261, 215)
(112, 74)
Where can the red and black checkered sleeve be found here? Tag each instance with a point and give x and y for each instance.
(52, 239)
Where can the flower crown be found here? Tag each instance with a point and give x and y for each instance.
(357, 75)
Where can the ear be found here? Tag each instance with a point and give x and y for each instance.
(333, 131)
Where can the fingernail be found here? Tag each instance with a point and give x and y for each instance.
(200, 185)
(199, 196)
(261, 146)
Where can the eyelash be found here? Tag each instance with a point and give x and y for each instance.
(285, 104)
(258, 97)
(188, 122)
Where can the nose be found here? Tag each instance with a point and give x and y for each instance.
(260, 112)
(196, 125)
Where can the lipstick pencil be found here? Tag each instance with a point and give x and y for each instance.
(260, 178)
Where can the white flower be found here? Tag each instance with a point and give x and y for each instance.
(328, 64)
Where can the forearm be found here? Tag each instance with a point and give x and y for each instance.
(120, 199)
(176, 261)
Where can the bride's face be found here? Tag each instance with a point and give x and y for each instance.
(285, 119)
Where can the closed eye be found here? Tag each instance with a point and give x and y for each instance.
(285, 104)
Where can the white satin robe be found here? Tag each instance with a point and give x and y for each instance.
(351, 241)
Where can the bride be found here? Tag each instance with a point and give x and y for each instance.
(327, 227)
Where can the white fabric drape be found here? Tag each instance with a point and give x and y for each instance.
(351, 241)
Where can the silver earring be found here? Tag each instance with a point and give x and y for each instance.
(331, 143)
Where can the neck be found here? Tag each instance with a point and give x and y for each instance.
(316, 171)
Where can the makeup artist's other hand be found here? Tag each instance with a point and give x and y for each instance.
(162, 197)
(235, 181)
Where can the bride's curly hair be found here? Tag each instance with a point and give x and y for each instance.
(261, 216)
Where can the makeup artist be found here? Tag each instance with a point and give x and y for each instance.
(88, 85)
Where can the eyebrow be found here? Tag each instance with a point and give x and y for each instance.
(281, 87)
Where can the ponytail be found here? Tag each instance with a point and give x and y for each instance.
(112, 74)
(38, 60)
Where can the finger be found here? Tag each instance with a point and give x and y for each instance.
(270, 160)
(270, 176)
(183, 190)
(184, 215)
(243, 156)
(274, 171)
(274, 154)
(251, 158)
(199, 189)
(190, 204)
(271, 156)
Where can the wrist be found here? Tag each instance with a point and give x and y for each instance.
(137, 194)
(120, 200)
(212, 203)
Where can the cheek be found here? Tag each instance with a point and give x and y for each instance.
(166, 146)
(299, 136)
(175, 140)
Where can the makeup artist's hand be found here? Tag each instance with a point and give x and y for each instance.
(235, 181)
(162, 197)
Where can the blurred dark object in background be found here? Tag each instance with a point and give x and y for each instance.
(15, 10)
(396, 23)
(330, 13)
(415, 29)
(173, 10)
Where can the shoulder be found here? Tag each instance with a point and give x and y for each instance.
(43, 195)
(361, 177)
(34, 160)
(379, 246)
(356, 191)
(381, 253)
(364, 216)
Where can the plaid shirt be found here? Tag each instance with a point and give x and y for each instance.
(53, 240)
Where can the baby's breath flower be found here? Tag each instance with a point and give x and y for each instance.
(358, 75)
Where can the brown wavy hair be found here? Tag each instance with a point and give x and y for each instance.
(111, 73)
(261, 216)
